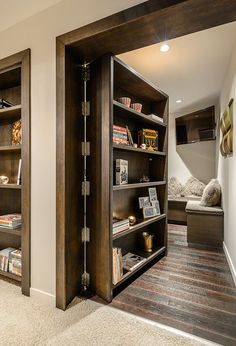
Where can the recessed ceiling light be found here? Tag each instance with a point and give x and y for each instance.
(164, 48)
(178, 101)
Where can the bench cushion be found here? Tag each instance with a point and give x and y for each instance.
(184, 199)
(196, 208)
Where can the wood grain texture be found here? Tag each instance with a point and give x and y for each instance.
(190, 289)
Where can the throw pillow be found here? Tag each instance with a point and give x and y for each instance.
(174, 187)
(211, 194)
(193, 186)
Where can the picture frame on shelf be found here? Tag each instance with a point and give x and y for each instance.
(149, 212)
(144, 202)
(156, 205)
(152, 194)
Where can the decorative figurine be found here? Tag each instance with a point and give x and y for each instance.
(135, 145)
(3, 179)
(132, 220)
(144, 179)
(143, 146)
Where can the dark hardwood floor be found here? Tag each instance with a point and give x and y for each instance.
(190, 289)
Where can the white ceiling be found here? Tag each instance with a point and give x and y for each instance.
(15, 11)
(192, 70)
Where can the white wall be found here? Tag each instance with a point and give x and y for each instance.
(227, 166)
(39, 33)
(195, 159)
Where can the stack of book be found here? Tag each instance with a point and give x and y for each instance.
(120, 225)
(117, 265)
(4, 258)
(10, 221)
(120, 135)
(155, 117)
(15, 262)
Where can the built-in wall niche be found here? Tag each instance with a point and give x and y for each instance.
(10, 85)
(196, 127)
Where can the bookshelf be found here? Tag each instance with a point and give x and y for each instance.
(111, 79)
(15, 197)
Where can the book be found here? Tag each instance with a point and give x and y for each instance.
(120, 225)
(10, 220)
(117, 265)
(121, 172)
(120, 135)
(15, 262)
(18, 181)
(155, 117)
(131, 261)
(4, 258)
(16, 133)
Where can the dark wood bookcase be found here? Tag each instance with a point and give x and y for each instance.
(15, 88)
(111, 79)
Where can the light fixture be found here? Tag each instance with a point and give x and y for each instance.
(178, 101)
(164, 47)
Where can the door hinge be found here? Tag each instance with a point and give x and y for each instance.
(86, 234)
(85, 108)
(86, 188)
(86, 148)
(85, 279)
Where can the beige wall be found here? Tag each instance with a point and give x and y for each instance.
(227, 167)
(39, 33)
(195, 159)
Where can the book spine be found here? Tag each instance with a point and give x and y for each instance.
(18, 182)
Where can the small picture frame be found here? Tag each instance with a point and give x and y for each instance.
(144, 202)
(152, 194)
(157, 206)
(149, 212)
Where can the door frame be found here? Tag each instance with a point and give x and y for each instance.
(160, 21)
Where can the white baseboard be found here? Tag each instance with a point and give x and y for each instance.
(43, 297)
(230, 262)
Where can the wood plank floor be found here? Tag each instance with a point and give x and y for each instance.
(190, 289)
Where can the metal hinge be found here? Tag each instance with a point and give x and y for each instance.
(85, 279)
(85, 108)
(86, 148)
(86, 188)
(86, 234)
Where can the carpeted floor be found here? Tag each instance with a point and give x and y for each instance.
(25, 322)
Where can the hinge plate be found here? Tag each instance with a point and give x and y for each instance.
(86, 108)
(85, 279)
(86, 148)
(86, 234)
(86, 188)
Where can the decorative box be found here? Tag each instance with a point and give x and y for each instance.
(149, 138)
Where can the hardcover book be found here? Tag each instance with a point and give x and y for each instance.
(121, 172)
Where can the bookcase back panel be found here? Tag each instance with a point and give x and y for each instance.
(10, 78)
(12, 95)
(126, 203)
(9, 164)
(9, 240)
(10, 201)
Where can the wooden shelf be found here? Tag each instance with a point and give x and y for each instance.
(138, 185)
(10, 186)
(129, 112)
(138, 150)
(15, 231)
(139, 226)
(149, 258)
(10, 148)
(10, 112)
(10, 276)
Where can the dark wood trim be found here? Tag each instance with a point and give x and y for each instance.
(115, 34)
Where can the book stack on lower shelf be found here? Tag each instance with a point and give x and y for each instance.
(10, 221)
(10, 261)
(120, 225)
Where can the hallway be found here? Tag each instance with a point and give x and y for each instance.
(191, 290)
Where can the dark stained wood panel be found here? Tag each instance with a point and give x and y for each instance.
(148, 23)
(190, 289)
